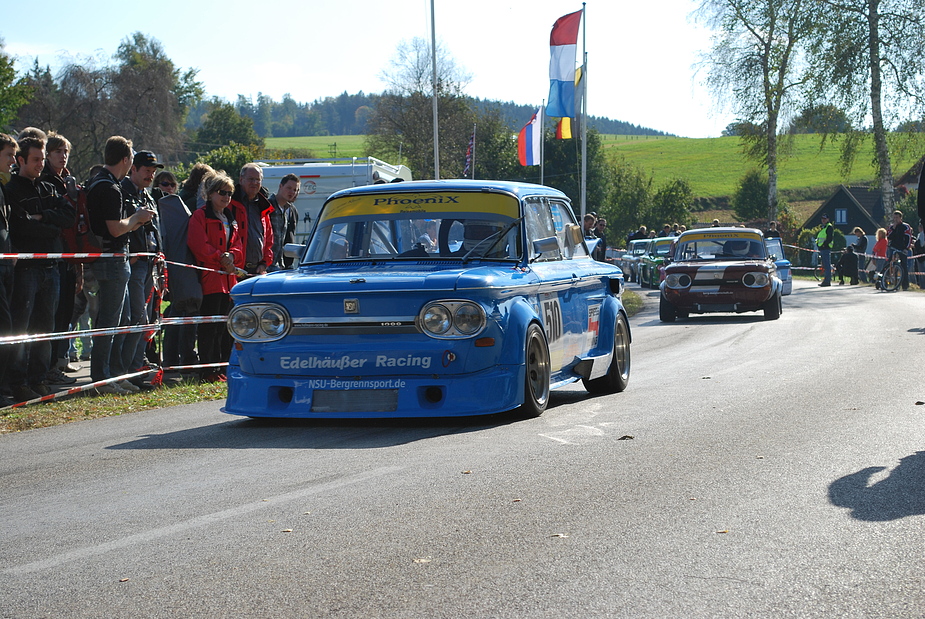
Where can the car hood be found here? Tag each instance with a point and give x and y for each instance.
(378, 278)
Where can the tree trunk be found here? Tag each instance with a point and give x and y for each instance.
(880, 142)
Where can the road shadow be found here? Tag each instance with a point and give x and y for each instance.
(899, 495)
(269, 433)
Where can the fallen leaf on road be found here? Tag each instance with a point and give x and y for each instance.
(422, 559)
(723, 531)
(286, 531)
(559, 535)
(124, 579)
(516, 500)
(705, 377)
(467, 472)
(626, 437)
(919, 403)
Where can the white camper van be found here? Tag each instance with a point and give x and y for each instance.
(322, 177)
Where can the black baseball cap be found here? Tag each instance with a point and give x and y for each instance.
(146, 158)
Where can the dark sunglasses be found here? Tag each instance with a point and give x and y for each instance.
(225, 193)
(168, 184)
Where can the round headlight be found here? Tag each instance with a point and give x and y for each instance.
(468, 318)
(243, 323)
(272, 322)
(436, 319)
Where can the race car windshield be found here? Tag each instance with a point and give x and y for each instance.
(464, 227)
(720, 248)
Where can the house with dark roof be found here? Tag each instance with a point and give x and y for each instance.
(850, 207)
(910, 180)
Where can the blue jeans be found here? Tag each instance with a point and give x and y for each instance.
(112, 274)
(826, 255)
(139, 285)
(35, 302)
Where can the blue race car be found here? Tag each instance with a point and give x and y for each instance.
(430, 298)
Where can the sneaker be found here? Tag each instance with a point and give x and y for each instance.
(127, 386)
(65, 366)
(55, 376)
(110, 389)
(6, 402)
(21, 393)
(40, 388)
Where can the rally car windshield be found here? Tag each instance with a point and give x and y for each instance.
(416, 226)
(720, 248)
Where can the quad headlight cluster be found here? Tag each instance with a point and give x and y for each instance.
(756, 279)
(452, 319)
(677, 281)
(258, 322)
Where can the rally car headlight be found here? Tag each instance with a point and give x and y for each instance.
(273, 322)
(261, 322)
(756, 279)
(468, 318)
(436, 319)
(452, 319)
(242, 323)
(678, 280)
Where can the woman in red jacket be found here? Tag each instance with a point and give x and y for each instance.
(215, 240)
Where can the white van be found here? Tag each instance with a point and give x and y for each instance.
(322, 177)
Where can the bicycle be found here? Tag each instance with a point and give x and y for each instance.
(890, 278)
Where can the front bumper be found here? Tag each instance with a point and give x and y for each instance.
(494, 390)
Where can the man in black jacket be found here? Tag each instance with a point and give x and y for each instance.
(7, 159)
(37, 217)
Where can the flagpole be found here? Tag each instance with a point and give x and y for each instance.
(584, 113)
(473, 151)
(433, 49)
(542, 122)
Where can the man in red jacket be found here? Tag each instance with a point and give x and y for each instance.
(252, 210)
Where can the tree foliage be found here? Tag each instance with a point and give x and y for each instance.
(15, 92)
(139, 94)
(825, 119)
(865, 56)
(750, 200)
(224, 126)
(754, 62)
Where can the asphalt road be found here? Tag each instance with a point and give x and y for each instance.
(752, 468)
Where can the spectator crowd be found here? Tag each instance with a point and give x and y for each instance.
(130, 212)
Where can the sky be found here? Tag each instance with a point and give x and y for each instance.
(642, 56)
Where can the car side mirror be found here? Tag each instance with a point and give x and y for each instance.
(550, 243)
(293, 250)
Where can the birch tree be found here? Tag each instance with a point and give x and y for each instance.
(753, 67)
(866, 56)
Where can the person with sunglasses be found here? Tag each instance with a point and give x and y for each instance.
(215, 239)
(165, 184)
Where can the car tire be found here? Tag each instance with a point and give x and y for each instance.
(772, 308)
(618, 374)
(537, 372)
(666, 311)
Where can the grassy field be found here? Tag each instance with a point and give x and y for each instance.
(713, 166)
(325, 146)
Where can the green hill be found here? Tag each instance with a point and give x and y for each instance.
(713, 166)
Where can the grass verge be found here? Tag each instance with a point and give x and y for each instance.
(82, 407)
